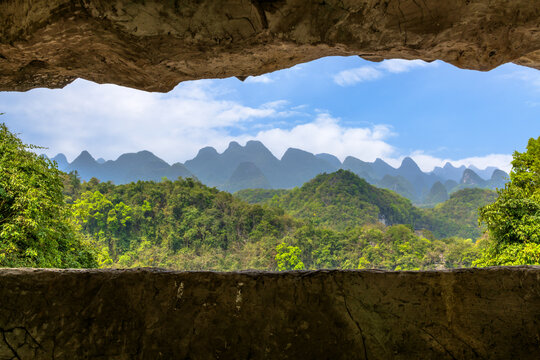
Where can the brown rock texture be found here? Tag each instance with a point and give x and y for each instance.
(153, 45)
(489, 313)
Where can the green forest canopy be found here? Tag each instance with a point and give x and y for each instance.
(342, 199)
(187, 225)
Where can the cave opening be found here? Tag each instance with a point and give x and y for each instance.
(340, 136)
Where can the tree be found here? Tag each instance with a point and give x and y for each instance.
(288, 257)
(513, 220)
(96, 215)
(34, 227)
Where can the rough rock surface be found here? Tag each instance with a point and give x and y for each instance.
(154, 45)
(155, 314)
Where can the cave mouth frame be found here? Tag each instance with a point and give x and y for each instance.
(52, 43)
(151, 313)
(154, 45)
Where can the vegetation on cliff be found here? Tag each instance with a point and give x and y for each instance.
(341, 200)
(458, 216)
(513, 220)
(35, 230)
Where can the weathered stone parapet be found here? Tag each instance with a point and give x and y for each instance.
(489, 313)
(155, 44)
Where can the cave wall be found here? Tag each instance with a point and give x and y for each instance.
(489, 313)
(155, 44)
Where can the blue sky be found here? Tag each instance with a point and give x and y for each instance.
(345, 106)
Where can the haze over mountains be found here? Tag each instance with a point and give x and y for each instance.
(254, 166)
(127, 168)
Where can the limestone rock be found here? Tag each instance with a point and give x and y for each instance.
(154, 45)
(489, 313)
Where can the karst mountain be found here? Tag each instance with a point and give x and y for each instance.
(254, 166)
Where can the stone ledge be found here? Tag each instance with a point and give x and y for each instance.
(158, 314)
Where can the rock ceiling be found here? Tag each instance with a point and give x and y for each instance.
(154, 45)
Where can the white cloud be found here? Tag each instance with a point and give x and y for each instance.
(109, 120)
(357, 75)
(325, 134)
(527, 75)
(396, 66)
(262, 79)
(367, 73)
(428, 163)
(501, 161)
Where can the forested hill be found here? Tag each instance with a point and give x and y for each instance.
(182, 224)
(340, 200)
(187, 225)
(458, 216)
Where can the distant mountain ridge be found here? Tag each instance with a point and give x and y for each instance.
(130, 167)
(253, 165)
(247, 176)
(214, 169)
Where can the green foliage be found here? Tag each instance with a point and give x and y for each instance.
(458, 216)
(157, 224)
(288, 257)
(98, 216)
(339, 222)
(437, 194)
(34, 227)
(186, 225)
(256, 196)
(400, 249)
(509, 254)
(342, 199)
(513, 220)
